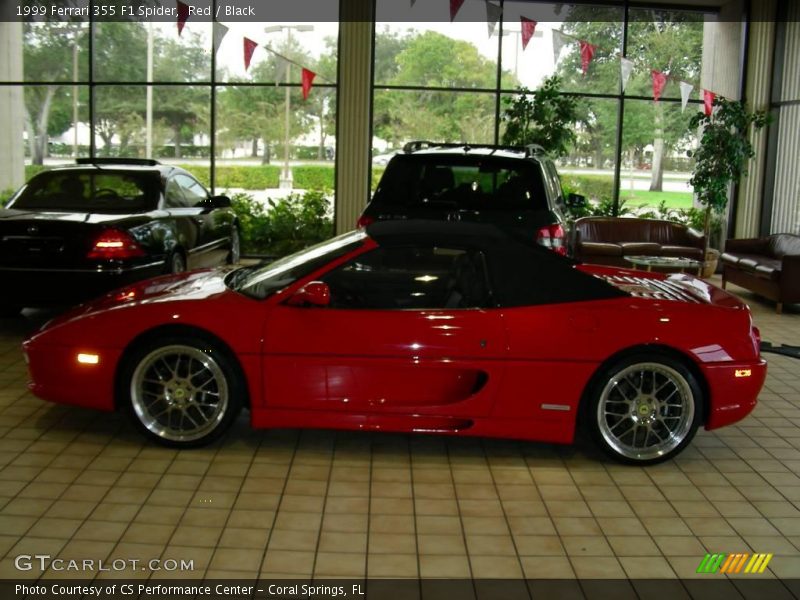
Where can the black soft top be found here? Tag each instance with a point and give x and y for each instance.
(522, 272)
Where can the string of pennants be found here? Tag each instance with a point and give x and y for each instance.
(249, 46)
(587, 51)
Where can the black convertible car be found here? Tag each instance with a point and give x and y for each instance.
(75, 232)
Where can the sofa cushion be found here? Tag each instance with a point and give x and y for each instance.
(600, 249)
(729, 259)
(647, 248)
(769, 269)
(686, 251)
(782, 244)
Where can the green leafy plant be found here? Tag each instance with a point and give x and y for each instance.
(282, 226)
(5, 196)
(543, 116)
(722, 155)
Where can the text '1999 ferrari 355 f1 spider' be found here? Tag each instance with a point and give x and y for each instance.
(415, 326)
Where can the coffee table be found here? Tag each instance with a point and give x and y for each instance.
(648, 263)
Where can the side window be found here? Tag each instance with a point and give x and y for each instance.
(192, 190)
(173, 195)
(411, 277)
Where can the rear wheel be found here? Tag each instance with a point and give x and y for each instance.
(182, 391)
(176, 263)
(645, 409)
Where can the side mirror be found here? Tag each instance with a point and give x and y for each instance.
(219, 202)
(314, 293)
(576, 201)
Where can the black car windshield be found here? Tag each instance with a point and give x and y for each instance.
(417, 181)
(90, 191)
(264, 281)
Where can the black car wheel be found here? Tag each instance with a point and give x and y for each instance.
(645, 409)
(182, 392)
(236, 247)
(176, 263)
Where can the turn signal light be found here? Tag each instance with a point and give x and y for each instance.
(115, 244)
(742, 373)
(88, 359)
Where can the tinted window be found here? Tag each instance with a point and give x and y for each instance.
(90, 191)
(474, 183)
(192, 190)
(411, 277)
(173, 195)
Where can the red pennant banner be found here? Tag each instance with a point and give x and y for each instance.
(183, 14)
(455, 6)
(249, 48)
(659, 81)
(528, 29)
(307, 80)
(587, 52)
(708, 101)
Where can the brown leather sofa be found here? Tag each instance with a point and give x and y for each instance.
(606, 240)
(768, 266)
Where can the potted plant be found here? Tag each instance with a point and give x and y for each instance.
(721, 158)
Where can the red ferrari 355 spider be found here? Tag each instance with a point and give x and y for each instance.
(413, 327)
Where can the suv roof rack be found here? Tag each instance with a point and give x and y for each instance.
(415, 146)
(144, 162)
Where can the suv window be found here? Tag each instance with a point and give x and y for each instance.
(411, 277)
(462, 182)
(173, 195)
(192, 190)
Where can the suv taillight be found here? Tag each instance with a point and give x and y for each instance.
(552, 237)
(364, 220)
(115, 244)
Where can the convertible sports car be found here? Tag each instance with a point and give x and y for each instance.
(413, 326)
(72, 233)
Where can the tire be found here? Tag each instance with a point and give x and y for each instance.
(176, 263)
(182, 392)
(645, 409)
(236, 247)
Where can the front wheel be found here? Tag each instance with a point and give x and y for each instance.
(181, 392)
(645, 409)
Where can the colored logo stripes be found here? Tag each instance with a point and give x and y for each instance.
(734, 563)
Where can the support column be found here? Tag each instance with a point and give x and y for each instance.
(757, 93)
(12, 107)
(354, 114)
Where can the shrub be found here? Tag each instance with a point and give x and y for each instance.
(313, 177)
(594, 187)
(285, 226)
(5, 196)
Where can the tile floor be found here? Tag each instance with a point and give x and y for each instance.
(80, 484)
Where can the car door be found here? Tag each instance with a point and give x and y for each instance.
(213, 224)
(408, 331)
(184, 229)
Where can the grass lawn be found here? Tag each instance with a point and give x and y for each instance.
(647, 198)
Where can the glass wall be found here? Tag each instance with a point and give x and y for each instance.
(136, 90)
(437, 80)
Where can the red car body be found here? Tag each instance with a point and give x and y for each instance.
(513, 372)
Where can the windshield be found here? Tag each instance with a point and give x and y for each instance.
(263, 281)
(91, 191)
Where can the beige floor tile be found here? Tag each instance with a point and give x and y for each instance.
(441, 544)
(597, 567)
(576, 545)
(339, 564)
(391, 543)
(238, 537)
(633, 545)
(495, 567)
(679, 545)
(55, 528)
(352, 543)
(392, 565)
(236, 559)
(445, 566)
(649, 567)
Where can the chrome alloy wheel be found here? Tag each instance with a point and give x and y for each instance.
(645, 411)
(179, 393)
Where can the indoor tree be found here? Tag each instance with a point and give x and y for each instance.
(722, 153)
(543, 116)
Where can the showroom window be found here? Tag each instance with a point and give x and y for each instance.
(451, 81)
